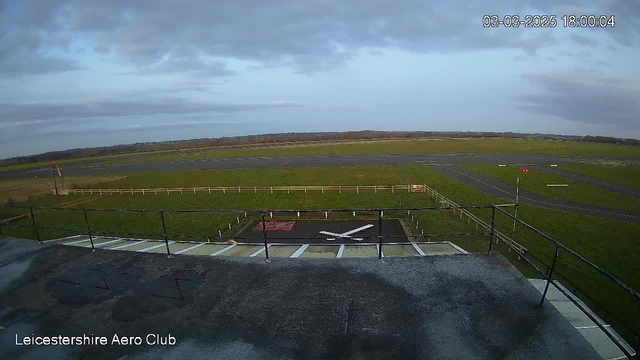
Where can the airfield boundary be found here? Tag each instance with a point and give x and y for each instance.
(254, 189)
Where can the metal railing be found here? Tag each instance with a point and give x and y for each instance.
(378, 240)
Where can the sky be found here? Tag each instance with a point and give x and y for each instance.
(84, 73)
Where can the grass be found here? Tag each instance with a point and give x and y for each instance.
(536, 182)
(18, 191)
(613, 245)
(432, 146)
(621, 174)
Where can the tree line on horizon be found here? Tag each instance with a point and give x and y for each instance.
(294, 137)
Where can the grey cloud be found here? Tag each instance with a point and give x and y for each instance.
(583, 96)
(584, 40)
(68, 113)
(313, 36)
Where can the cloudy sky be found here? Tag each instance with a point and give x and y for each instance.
(102, 72)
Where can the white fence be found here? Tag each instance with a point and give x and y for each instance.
(254, 189)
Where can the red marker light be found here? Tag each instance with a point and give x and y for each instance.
(525, 170)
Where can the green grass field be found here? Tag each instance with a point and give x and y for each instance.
(611, 244)
(625, 175)
(536, 182)
(513, 146)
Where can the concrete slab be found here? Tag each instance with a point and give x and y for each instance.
(570, 311)
(242, 250)
(440, 307)
(320, 252)
(206, 250)
(438, 249)
(138, 245)
(117, 244)
(282, 250)
(399, 250)
(601, 343)
(360, 251)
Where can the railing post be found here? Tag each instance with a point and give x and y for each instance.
(33, 220)
(264, 235)
(379, 234)
(493, 227)
(86, 220)
(164, 232)
(550, 277)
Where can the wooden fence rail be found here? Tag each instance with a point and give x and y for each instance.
(511, 244)
(240, 189)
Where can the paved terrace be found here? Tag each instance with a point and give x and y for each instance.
(432, 307)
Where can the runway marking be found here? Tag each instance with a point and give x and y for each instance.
(547, 202)
(154, 247)
(223, 250)
(189, 249)
(300, 250)
(127, 245)
(340, 252)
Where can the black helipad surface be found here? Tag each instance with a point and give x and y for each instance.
(440, 307)
(308, 232)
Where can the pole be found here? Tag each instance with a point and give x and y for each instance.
(379, 235)
(164, 231)
(86, 219)
(517, 196)
(55, 183)
(493, 227)
(33, 220)
(550, 277)
(264, 235)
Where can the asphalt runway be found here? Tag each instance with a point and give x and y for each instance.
(308, 231)
(603, 184)
(491, 186)
(305, 161)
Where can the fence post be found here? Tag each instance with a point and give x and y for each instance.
(379, 235)
(550, 277)
(86, 220)
(33, 220)
(493, 226)
(164, 232)
(264, 235)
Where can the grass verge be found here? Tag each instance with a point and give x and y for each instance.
(536, 182)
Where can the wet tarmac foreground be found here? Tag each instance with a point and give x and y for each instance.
(459, 307)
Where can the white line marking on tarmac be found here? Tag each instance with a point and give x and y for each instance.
(457, 247)
(259, 251)
(415, 246)
(189, 248)
(300, 250)
(76, 242)
(223, 250)
(127, 245)
(591, 326)
(340, 252)
(104, 243)
(154, 247)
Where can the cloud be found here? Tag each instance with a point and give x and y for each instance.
(583, 96)
(70, 113)
(156, 36)
(584, 40)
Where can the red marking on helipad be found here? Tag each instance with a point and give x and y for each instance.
(276, 225)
